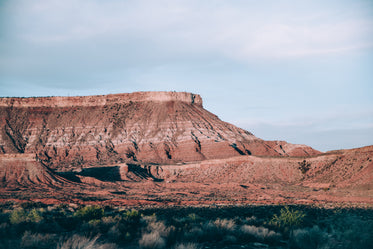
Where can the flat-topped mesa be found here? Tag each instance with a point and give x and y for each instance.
(101, 100)
(149, 127)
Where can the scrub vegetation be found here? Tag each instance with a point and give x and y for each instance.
(69, 226)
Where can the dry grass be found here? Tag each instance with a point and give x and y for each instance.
(260, 233)
(227, 225)
(152, 240)
(82, 242)
(37, 240)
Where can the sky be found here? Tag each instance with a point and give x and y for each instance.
(299, 71)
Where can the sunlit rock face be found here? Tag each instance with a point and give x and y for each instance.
(152, 127)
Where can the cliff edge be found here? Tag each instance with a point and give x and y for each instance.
(101, 100)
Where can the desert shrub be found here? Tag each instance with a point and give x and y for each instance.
(193, 217)
(62, 206)
(259, 233)
(94, 222)
(17, 216)
(20, 215)
(304, 166)
(156, 228)
(227, 225)
(288, 218)
(187, 246)
(149, 218)
(340, 231)
(186, 221)
(252, 220)
(106, 223)
(210, 232)
(114, 234)
(81, 242)
(100, 226)
(37, 240)
(109, 220)
(61, 210)
(90, 228)
(308, 238)
(132, 215)
(193, 234)
(214, 231)
(89, 213)
(350, 231)
(130, 220)
(152, 240)
(35, 215)
(161, 228)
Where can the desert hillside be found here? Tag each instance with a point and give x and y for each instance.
(148, 127)
(162, 148)
(343, 177)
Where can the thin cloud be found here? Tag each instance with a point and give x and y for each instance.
(234, 29)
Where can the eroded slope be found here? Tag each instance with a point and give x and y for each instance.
(153, 127)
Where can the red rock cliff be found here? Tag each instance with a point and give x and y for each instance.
(156, 127)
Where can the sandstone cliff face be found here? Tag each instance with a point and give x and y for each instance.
(153, 127)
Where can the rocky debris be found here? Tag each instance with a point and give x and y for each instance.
(150, 127)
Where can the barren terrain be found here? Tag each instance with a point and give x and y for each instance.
(162, 149)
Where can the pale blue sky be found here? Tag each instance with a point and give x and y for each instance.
(300, 71)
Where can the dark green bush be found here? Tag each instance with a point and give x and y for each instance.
(89, 213)
(132, 215)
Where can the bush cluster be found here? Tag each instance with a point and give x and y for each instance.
(69, 226)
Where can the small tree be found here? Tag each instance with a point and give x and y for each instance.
(304, 166)
(17, 216)
(288, 218)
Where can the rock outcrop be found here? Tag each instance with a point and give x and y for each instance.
(150, 127)
(24, 171)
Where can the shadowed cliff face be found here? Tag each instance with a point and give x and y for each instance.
(153, 127)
